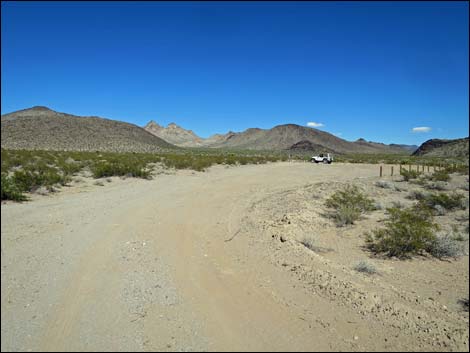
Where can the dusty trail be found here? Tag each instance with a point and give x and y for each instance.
(159, 265)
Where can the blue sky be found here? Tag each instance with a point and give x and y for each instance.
(371, 70)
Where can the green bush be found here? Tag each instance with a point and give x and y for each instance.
(10, 190)
(409, 174)
(440, 175)
(348, 204)
(106, 169)
(407, 232)
(350, 195)
(449, 202)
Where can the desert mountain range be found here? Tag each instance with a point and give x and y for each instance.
(281, 137)
(43, 128)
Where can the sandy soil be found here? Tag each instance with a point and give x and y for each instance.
(194, 261)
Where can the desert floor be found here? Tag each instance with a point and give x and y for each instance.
(213, 261)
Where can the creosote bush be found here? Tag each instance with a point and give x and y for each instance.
(348, 204)
(440, 175)
(10, 190)
(407, 232)
(449, 202)
(409, 174)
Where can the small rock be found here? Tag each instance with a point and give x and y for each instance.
(356, 338)
(283, 238)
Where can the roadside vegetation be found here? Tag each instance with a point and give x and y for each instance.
(26, 171)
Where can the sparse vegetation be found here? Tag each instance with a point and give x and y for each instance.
(365, 267)
(26, 171)
(407, 232)
(348, 204)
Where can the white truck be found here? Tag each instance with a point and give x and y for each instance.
(322, 158)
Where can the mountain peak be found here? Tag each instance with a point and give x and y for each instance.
(152, 124)
(40, 108)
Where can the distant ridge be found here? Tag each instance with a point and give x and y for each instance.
(43, 128)
(281, 137)
(444, 148)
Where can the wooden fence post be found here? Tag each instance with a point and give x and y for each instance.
(392, 171)
(428, 168)
(380, 171)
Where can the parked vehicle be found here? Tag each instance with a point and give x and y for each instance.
(322, 158)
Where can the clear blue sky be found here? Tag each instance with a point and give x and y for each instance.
(372, 70)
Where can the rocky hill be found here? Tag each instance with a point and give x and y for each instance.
(444, 148)
(43, 128)
(283, 137)
(175, 134)
(307, 146)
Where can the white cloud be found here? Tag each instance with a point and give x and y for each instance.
(314, 124)
(421, 129)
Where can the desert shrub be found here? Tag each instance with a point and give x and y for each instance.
(106, 169)
(378, 206)
(407, 232)
(308, 242)
(9, 190)
(440, 175)
(384, 184)
(416, 195)
(29, 180)
(350, 195)
(445, 246)
(419, 181)
(348, 204)
(438, 185)
(346, 215)
(365, 267)
(439, 210)
(409, 174)
(397, 204)
(449, 202)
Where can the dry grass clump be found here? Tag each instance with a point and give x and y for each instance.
(365, 267)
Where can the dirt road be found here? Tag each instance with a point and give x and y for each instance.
(165, 265)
